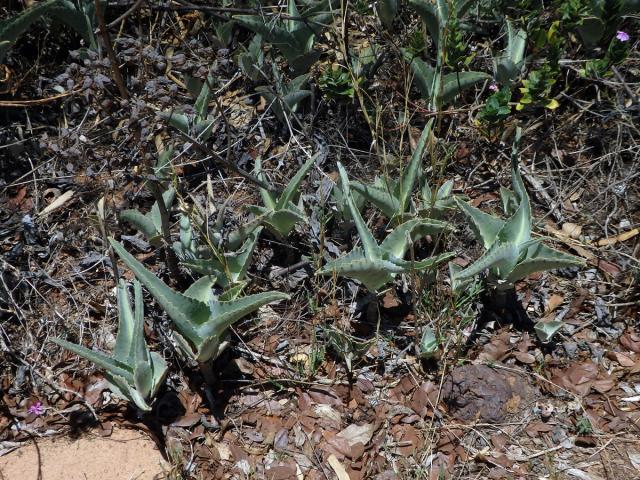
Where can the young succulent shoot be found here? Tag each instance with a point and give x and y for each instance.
(150, 224)
(280, 214)
(375, 265)
(438, 205)
(200, 124)
(134, 372)
(201, 319)
(229, 268)
(394, 198)
(293, 37)
(347, 346)
(285, 99)
(429, 347)
(510, 252)
(509, 63)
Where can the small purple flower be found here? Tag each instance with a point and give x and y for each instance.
(622, 36)
(493, 87)
(36, 409)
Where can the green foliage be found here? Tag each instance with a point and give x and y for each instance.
(78, 16)
(200, 124)
(135, 373)
(375, 265)
(437, 15)
(536, 89)
(617, 53)
(287, 95)
(251, 61)
(201, 319)
(436, 205)
(348, 347)
(228, 268)
(293, 36)
(336, 83)
(510, 62)
(497, 108)
(150, 224)
(429, 346)
(441, 89)
(584, 426)
(394, 198)
(510, 252)
(281, 214)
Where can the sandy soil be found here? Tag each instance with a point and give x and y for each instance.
(125, 455)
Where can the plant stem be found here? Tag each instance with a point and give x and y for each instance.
(117, 75)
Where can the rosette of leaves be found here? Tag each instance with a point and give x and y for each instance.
(510, 252)
(229, 268)
(200, 124)
(200, 317)
(134, 372)
(374, 265)
(280, 214)
(336, 83)
(393, 198)
(436, 205)
(287, 95)
(293, 36)
(510, 62)
(150, 224)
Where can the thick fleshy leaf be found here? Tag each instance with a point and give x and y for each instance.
(542, 258)
(100, 359)
(185, 312)
(498, 256)
(424, 76)
(142, 222)
(372, 273)
(429, 14)
(428, 344)
(546, 330)
(292, 192)
(381, 198)
(453, 84)
(409, 176)
(126, 326)
(369, 244)
(168, 196)
(484, 226)
(225, 314)
(424, 264)
(517, 229)
(200, 290)
(397, 242)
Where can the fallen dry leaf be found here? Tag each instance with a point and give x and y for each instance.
(572, 230)
(618, 238)
(333, 461)
(357, 433)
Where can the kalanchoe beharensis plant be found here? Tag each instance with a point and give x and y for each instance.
(229, 268)
(201, 319)
(394, 197)
(286, 97)
(135, 373)
(510, 62)
(375, 265)
(150, 224)
(293, 36)
(436, 205)
(200, 124)
(510, 252)
(280, 214)
(436, 86)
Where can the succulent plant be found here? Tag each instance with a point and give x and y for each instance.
(294, 36)
(135, 373)
(287, 95)
(150, 224)
(436, 206)
(429, 346)
(510, 252)
(229, 268)
(394, 198)
(510, 62)
(281, 214)
(201, 319)
(376, 265)
(200, 124)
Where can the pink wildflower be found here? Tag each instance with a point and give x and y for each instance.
(493, 87)
(36, 409)
(622, 36)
